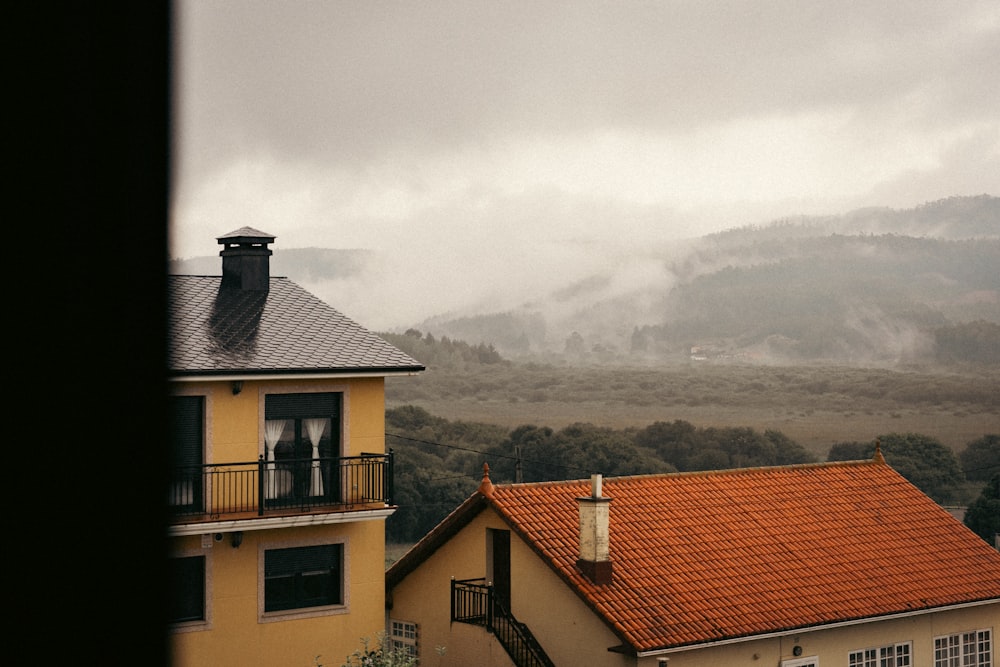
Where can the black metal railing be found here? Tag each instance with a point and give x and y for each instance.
(474, 601)
(261, 487)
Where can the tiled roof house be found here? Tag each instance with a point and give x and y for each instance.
(280, 481)
(820, 564)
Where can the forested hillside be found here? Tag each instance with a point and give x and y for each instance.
(875, 286)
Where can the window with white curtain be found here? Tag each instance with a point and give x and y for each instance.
(302, 441)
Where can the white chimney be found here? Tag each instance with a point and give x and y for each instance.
(595, 560)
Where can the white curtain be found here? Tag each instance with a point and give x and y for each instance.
(273, 428)
(315, 428)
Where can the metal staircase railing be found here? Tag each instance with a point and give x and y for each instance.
(475, 603)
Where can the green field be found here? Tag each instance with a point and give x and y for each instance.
(816, 406)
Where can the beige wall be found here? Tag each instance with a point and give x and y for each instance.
(832, 646)
(237, 632)
(573, 635)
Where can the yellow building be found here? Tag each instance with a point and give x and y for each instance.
(280, 482)
(819, 565)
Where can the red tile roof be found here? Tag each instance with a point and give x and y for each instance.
(702, 557)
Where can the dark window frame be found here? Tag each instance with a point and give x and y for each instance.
(304, 577)
(297, 407)
(188, 589)
(187, 451)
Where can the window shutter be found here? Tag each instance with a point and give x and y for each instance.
(284, 562)
(286, 406)
(187, 420)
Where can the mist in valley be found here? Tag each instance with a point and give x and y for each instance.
(875, 286)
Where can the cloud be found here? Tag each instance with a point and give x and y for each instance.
(355, 82)
(487, 151)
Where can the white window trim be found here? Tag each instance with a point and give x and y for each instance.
(308, 612)
(961, 645)
(403, 640)
(878, 651)
(801, 662)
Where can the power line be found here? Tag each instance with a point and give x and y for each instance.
(496, 455)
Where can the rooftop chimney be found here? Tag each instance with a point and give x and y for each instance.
(245, 259)
(595, 561)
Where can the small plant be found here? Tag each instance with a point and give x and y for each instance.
(379, 654)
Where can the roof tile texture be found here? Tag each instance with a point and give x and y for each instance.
(283, 330)
(706, 556)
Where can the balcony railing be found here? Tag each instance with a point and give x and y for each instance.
(259, 488)
(474, 601)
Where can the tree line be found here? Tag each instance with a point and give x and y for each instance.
(439, 462)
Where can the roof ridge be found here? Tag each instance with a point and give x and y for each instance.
(690, 473)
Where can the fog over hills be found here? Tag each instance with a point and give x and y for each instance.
(875, 285)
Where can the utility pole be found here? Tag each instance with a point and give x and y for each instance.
(517, 463)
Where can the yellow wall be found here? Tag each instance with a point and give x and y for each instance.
(573, 635)
(237, 633)
(234, 423)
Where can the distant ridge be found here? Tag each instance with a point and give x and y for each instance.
(299, 264)
(875, 285)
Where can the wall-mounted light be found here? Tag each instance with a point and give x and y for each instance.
(237, 386)
(797, 651)
(662, 662)
(237, 539)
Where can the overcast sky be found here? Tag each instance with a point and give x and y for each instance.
(507, 140)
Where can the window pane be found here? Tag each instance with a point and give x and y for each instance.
(186, 578)
(303, 577)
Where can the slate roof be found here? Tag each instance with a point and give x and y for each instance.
(284, 330)
(709, 556)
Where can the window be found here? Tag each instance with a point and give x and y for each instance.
(893, 655)
(811, 661)
(965, 649)
(403, 635)
(186, 579)
(187, 432)
(303, 577)
(302, 437)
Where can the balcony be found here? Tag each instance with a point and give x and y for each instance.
(261, 490)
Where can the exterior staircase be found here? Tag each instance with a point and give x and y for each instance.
(473, 601)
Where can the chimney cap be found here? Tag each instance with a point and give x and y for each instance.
(245, 235)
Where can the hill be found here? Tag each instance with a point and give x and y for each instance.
(872, 286)
(875, 286)
(303, 265)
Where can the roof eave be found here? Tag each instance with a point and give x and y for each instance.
(459, 518)
(820, 626)
(293, 373)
